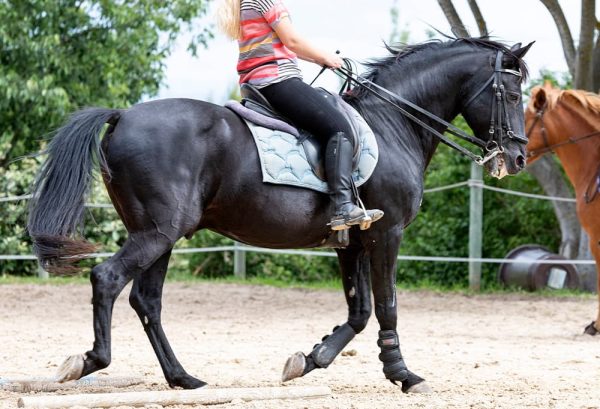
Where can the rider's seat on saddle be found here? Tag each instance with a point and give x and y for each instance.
(254, 100)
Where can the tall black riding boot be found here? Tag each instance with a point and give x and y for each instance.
(338, 169)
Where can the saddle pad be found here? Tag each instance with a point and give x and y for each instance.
(283, 160)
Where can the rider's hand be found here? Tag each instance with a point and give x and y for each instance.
(332, 61)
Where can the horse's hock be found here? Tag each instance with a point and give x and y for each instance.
(534, 276)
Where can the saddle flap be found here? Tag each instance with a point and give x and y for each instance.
(253, 99)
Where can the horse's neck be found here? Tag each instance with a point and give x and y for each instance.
(436, 93)
(581, 159)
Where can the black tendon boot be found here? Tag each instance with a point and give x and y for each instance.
(338, 168)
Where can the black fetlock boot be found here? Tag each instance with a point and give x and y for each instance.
(394, 367)
(338, 168)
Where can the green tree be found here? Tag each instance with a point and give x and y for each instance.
(57, 56)
(60, 55)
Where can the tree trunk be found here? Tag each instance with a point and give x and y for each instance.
(550, 177)
(483, 31)
(583, 78)
(596, 59)
(564, 31)
(587, 273)
(458, 28)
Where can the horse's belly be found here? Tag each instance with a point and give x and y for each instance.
(270, 216)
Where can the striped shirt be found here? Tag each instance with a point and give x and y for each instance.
(264, 59)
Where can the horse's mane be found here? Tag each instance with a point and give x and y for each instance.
(400, 53)
(585, 99)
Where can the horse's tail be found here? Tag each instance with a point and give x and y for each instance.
(61, 187)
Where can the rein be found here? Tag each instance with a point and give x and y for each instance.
(498, 129)
(547, 147)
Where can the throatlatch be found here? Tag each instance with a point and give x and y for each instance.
(394, 367)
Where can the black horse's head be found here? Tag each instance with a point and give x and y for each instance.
(492, 106)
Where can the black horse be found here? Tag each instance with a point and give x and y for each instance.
(173, 167)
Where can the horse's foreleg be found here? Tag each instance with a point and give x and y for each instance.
(354, 267)
(594, 327)
(384, 253)
(145, 298)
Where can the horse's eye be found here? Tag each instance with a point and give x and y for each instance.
(513, 97)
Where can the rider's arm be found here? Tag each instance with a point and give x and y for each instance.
(305, 50)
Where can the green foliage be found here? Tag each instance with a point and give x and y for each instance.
(57, 56)
(286, 268)
(442, 226)
(562, 80)
(15, 180)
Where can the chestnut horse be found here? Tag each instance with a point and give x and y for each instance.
(568, 123)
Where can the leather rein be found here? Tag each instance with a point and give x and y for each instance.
(500, 126)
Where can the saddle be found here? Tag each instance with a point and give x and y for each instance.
(263, 114)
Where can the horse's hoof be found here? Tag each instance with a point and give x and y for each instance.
(71, 369)
(294, 367)
(186, 382)
(421, 387)
(591, 329)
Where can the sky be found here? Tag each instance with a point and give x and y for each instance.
(358, 28)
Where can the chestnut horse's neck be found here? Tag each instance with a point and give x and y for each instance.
(581, 160)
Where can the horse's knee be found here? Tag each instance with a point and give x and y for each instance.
(107, 281)
(359, 321)
(107, 278)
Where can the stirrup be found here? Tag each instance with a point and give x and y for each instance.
(364, 220)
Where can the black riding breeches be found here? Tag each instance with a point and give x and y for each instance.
(306, 108)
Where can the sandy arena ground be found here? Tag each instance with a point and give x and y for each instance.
(498, 351)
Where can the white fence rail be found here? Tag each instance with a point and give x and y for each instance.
(475, 184)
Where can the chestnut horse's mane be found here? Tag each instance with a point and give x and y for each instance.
(589, 101)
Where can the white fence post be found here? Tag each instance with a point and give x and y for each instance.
(239, 261)
(43, 274)
(475, 225)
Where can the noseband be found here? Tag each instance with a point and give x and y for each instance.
(500, 126)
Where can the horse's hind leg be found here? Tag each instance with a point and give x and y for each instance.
(145, 298)
(108, 280)
(354, 265)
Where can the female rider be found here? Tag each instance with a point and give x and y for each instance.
(269, 47)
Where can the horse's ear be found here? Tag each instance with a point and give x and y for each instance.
(515, 47)
(519, 51)
(539, 98)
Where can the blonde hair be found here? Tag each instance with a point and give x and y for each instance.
(228, 18)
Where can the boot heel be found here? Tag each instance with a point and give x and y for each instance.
(338, 225)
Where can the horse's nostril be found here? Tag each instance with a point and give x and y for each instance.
(520, 162)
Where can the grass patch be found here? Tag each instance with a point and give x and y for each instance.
(317, 285)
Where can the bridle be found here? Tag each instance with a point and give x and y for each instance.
(500, 126)
(548, 148)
